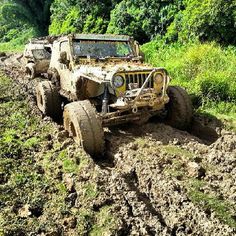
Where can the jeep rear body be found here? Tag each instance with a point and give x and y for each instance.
(38, 53)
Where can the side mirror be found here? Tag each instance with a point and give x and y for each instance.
(142, 56)
(139, 53)
(136, 47)
(63, 58)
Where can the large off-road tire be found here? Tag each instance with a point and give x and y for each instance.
(30, 70)
(179, 108)
(48, 99)
(82, 123)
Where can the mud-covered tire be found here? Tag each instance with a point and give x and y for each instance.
(48, 99)
(30, 70)
(82, 123)
(179, 108)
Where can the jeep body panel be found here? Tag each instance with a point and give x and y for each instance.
(38, 53)
(95, 73)
(88, 64)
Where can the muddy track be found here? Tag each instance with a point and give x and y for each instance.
(158, 180)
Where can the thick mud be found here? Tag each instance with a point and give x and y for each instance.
(153, 180)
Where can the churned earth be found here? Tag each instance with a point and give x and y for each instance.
(153, 179)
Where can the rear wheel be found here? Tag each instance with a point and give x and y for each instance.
(48, 99)
(179, 108)
(82, 123)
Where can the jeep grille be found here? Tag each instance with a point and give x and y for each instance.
(138, 78)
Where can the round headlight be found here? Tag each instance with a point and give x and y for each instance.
(118, 81)
(158, 78)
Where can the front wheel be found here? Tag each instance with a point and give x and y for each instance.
(179, 108)
(82, 123)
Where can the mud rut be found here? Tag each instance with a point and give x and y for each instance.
(135, 176)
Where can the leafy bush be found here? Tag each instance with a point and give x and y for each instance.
(206, 20)
(143, 19)
(17, 43)
(206, 70)
(65, 18)
(88, 16)
(35, 14)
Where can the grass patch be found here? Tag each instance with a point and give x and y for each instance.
(85, 221)
(15, 40)
(90, 191)
(223, 210)
(31, 142)
(23, 181)
(69, 163)
(11, 47)
(225, 111)
(206, 70)
(177, 151)
(105, 222)
(178, 158)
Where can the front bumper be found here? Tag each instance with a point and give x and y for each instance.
(144, 97)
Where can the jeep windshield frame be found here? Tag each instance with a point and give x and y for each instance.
(100, 49)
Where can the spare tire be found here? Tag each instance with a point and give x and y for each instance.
(30, 70)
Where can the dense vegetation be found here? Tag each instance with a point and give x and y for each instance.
(206, 70)
(194, 39)
(174, 20)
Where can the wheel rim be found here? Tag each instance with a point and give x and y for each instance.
(40, 101)
(74, 132)
(71, 128)
(28, 71)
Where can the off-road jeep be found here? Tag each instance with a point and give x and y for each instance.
(99, 81)
(37, 56)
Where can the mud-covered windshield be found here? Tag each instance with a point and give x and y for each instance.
(41, 54)
(102, 49)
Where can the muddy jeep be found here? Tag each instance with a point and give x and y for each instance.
(37, 56)
(100, 81)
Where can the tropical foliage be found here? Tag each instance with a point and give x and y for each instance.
(212, 20)
(173, 20)
(34, 14)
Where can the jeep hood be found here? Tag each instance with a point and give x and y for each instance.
(101, 72)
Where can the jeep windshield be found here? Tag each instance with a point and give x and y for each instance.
(102, 49)
(41, 54)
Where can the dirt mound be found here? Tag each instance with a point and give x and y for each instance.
(154, 180)
(163, 190)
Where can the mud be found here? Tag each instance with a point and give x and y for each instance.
(154, 179)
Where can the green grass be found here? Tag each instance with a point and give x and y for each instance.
(90, 191)
(29, 171)
(15, 40)
(71, 164)
(98, 223)
(178, 157)
(105, 222)
(177, 151)
(11, 47)
(206, 70)
(223, 210)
